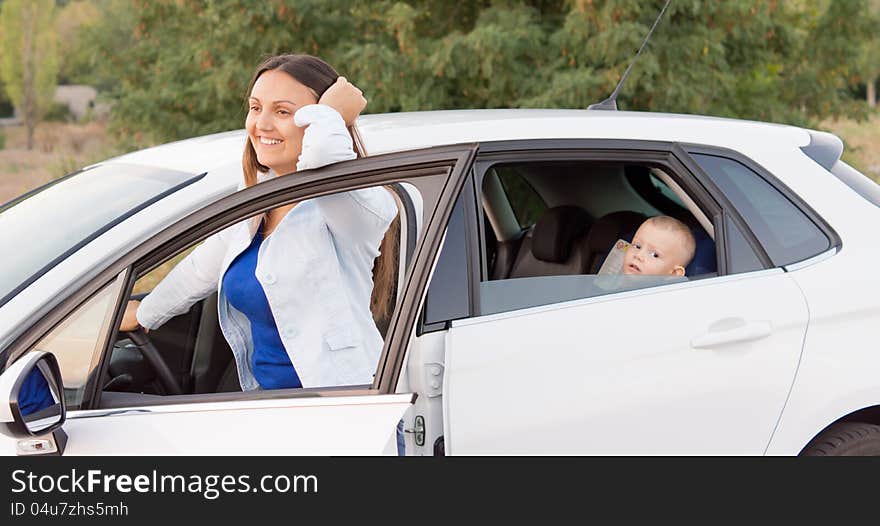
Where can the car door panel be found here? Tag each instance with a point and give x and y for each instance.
(619, 374)
(354, 425)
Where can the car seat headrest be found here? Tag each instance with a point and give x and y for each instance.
(611, 227)
(556, 231)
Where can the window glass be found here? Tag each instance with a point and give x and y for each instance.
(86, 204)
(148, 281)
(665, 190)
(740, 254)
(785, 232)
(574, 250)
(325, 278)
(76, 341)
(448, 296)
(512, 294)
(526, 203)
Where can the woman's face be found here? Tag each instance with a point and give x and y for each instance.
(274, 99)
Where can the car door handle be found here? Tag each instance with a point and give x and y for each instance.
(732, 330)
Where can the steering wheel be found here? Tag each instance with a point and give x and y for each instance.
(146, 347)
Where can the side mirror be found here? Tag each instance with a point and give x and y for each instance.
(34, 410)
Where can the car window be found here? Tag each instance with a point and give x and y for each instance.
(87, 204)
(78, 340)
(525, 201)
(784, 231)
(448, 296)
(665, 190)
(576, 248)
(148, 281)
(741, 255)
(193, 319)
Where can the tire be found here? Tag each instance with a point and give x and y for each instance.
(846, 439)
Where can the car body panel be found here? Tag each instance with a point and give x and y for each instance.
(355, 425)
(840, 368)
(617, 374)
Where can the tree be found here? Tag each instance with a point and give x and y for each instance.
(70, 24)
(28, 65)
(868, 65)
(178, 68)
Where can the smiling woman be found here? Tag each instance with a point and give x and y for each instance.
(271, 128)
(281, 86)
(298, 108)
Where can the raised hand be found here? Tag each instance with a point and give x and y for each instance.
(346, 98)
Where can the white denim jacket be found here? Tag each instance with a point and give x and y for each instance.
(315, 268)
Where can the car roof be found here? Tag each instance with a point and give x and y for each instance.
(195, 156)
(391, 132)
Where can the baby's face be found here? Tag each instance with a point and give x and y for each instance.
(654, 251)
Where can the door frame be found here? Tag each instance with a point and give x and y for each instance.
(669, 156)
(455, 160)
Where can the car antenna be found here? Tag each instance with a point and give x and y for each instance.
(611, 102)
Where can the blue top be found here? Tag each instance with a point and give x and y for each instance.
(34, 394)
(270, 363)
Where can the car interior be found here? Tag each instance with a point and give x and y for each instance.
(189, 354)
(563, 218)
(548, 227)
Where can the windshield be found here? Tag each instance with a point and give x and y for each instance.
(40, 229)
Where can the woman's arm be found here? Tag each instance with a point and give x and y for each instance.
(191, 280)
(358, 215)
(326, 139)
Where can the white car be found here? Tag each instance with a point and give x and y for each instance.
(504, 338)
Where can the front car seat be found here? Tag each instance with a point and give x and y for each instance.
(554, 247)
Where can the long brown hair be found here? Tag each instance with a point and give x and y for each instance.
(317, 75)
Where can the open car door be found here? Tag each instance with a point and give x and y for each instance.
(350, 420)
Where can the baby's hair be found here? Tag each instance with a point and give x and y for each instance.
(673, 224)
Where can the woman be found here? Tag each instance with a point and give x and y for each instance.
(294, 284)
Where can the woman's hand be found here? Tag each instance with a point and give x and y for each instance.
(346, 98)
(129, 320)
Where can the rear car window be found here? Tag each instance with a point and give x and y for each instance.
(54, 221)
(785, 232)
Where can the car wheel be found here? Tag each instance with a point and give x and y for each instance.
(846, 439)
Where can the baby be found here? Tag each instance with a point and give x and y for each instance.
(662, 245)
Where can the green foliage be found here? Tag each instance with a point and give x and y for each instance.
(58, 112)
(2, 139)
(28, 63)
(70, 25)
(179, 68)
(867, 66)
(6, 108)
